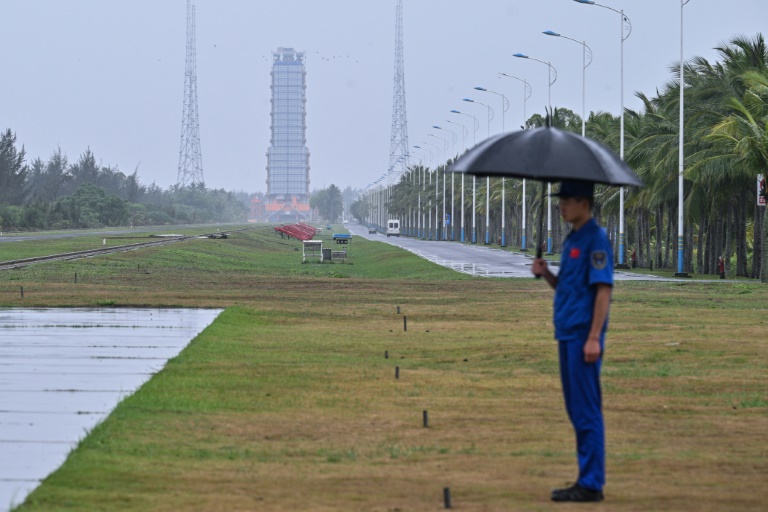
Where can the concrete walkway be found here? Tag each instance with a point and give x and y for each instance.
(62, 371)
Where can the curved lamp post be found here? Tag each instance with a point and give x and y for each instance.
(626, 30)
(527, 92)
(437, 180)
(586, 60)
(475, 125)
(487, 178)
(681, 157)
(419, 225)
(422, 217)
(445, 160)
(504, 108)
(551, 81)
(464, 133)
(454, 138)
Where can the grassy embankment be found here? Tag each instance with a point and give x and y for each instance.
(287, 402)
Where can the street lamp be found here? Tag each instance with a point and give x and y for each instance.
(551, 81)
(504, 104)
(681, 158)
(527, 92)
(422, 219)
(475, 125)
(445, 160)
(586, 51)
(626, 30)
(504, 108)
(487, 178)
(464, 133)
(490, 112)
(419, 225)
(454, 138)
(437, 180)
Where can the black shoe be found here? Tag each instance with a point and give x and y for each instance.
(576, 493)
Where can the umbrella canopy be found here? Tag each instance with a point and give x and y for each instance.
(546, 154)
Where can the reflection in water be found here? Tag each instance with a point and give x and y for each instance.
(63, 370)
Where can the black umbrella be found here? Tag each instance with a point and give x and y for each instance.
(546, 154)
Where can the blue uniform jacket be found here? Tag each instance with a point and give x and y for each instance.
(587, 260)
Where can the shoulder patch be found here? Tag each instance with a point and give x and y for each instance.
(599, 259)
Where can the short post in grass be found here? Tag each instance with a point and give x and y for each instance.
(386, 354)
(425, 417)
(22, 292)
(447, 497)
(405, 323)
(75, 277)
(398, 310)
(397, 372)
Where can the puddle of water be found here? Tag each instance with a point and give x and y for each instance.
(63, 370)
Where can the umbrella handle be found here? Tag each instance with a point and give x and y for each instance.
(540, 237)
(538, 256)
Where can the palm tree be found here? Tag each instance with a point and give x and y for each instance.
(744, 133)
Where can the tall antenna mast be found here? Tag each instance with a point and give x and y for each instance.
(190, 157)
(398, 152)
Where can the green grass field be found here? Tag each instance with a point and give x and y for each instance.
(288, 403)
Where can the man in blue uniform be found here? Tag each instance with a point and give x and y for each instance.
(582, 299)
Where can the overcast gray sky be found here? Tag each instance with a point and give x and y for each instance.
(109, 74)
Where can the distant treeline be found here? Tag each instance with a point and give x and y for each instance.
(55, 194)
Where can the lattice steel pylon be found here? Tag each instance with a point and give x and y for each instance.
(190, 157)
(398, 152)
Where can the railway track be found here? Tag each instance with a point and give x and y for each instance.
(7, 265)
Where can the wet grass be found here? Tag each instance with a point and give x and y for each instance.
(287, 402)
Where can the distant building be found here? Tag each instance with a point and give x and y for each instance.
(287, 197)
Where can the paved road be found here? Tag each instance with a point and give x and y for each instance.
(479, 260)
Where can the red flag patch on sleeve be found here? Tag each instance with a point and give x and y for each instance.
(575, 253)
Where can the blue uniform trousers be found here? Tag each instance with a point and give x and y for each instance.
(583, 402)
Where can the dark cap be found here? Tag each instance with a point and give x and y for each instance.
(573, 188)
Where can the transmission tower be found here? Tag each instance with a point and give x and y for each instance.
(190, 158)
(398, 152)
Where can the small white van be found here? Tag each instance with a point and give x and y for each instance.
(393, 227)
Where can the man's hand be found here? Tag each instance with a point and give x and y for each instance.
(592, 350)
(539, 267)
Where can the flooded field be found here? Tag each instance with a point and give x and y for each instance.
(63, 370)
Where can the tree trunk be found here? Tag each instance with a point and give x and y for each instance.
(741, 247)
(756, 243)
(648, 236)
(730, 223)
(708, 249)
(639, 245)
(719, 244)
(764, 248)
(670, 229)
(689, 250)
(636, 245)
(659, 233)
(700, 243)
